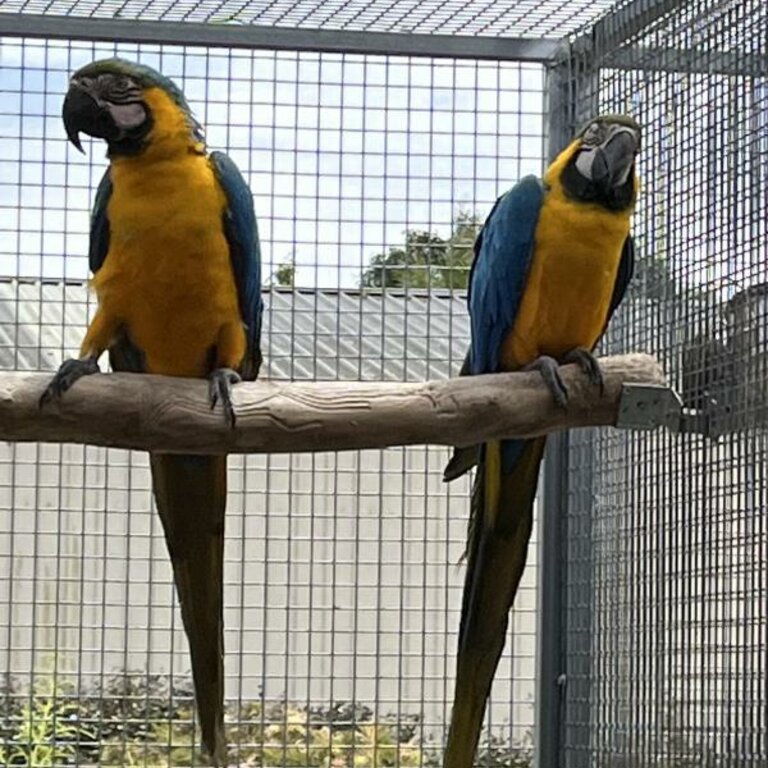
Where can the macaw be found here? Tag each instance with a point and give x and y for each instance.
(552, 263)
(174, 251)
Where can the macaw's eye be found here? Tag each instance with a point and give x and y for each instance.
(123, 89)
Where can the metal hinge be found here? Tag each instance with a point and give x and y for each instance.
(648, 406)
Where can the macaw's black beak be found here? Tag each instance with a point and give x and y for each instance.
(613, 159)
(82, 113)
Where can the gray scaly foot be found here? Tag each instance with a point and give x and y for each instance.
(588, 364)
(220, 384)
(69, 372)
(548, 368)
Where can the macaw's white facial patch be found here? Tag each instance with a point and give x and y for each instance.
(127, 116)
(584, 162)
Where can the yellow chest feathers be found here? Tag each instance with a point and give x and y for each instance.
(167, 278)
(570, 281)
(173, 209)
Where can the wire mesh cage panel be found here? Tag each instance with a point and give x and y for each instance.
(463, 17)
(665, 586)
(342, 590)
(371, 173)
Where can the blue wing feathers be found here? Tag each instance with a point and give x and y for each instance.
(623, 278)
(502, 257)
(243, 237)
(503, 254)
(99, 242)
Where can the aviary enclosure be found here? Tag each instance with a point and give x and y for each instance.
(375, 137)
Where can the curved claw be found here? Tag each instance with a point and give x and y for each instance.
(548, 368)
(69, 372)
(220, 384)
(588, 364)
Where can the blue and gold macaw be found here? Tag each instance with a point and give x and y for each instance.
(552, 263)
(174, 249)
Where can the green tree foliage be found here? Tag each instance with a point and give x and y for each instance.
(285, 274)
(427, 260)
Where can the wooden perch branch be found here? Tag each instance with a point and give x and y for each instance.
(172, 415)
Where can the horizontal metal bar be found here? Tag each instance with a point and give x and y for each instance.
(278, 38)
(688, 60)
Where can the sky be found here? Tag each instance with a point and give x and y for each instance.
(344, 153)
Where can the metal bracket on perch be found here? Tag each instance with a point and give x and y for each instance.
(648, 406)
